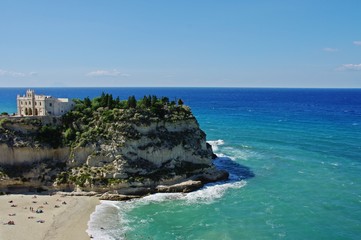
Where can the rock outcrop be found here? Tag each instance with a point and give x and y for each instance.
(130, 152)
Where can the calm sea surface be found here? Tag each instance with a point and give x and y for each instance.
(294, 157)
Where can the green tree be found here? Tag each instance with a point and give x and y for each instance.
(165, 100)
(87, 102)
(110, 101)
(69, 135)
(50, 135)
(154, 100)
(147, 101)
(132, 102)
(180, 102)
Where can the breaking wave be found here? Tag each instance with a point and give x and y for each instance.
(110, 219)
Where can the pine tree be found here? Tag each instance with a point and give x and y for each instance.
(87, 102)
(132, 102)
(180, 102)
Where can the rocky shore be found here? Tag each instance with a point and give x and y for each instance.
(119, 153)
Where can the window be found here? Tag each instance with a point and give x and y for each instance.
(50, 104)
(40, 103)
(35, 103)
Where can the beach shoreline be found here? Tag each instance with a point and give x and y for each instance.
(45, 217)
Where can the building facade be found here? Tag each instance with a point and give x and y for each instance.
(41, 105)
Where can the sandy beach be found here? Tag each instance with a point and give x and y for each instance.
(42, 217)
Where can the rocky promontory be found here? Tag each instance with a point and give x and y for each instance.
(117, 148)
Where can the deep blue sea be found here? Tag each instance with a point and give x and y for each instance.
(294, 157)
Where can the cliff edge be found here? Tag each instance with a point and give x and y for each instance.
(120, 148)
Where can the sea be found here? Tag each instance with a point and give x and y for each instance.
(294, 157)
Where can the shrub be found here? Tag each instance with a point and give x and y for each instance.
(50, 135)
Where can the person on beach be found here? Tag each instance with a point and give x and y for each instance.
(39, 211)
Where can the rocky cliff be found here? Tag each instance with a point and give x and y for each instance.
(114, 150)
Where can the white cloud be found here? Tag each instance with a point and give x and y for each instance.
(350, 67)
(107, 73)
(357, 43)
(330, 49)
(5, 73)
(33, 73)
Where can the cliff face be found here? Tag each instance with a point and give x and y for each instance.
(131, 152)
(156, 145)
(27, 155)
(19, 144)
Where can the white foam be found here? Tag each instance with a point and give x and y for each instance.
(206, 195)
(105, 225)
(116, 222)
(161, 197)
(335, 164)
(240, 154)
(215, 144)
(115, 225)
(212, 192)
(245, 152)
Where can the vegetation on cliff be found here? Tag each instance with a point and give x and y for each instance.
(90, 119)
(115, 144)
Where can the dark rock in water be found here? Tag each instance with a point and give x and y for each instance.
(187, 186)
(117, 197)
(136, 191)
(212, 176)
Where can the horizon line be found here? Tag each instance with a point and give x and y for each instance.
(184, 87)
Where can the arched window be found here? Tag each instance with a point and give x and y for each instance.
(26, 111)
(30, 111)
(36, 112)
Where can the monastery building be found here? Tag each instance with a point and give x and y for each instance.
(41, 105)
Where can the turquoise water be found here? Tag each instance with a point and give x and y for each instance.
(295, 162)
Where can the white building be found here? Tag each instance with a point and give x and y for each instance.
(41, 105)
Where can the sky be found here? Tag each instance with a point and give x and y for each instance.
(180, 43)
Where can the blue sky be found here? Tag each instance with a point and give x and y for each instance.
(189, 43)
